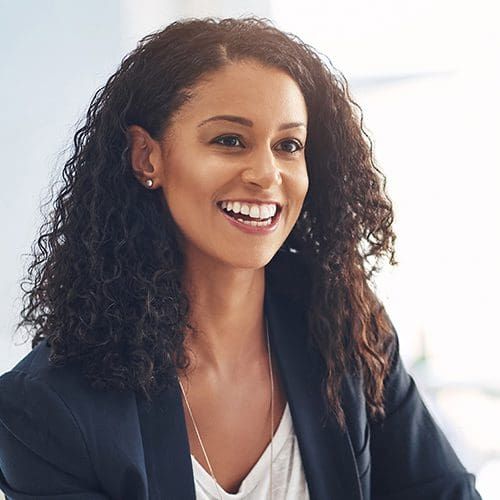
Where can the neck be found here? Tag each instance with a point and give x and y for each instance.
(227, 311)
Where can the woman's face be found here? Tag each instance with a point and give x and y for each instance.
(254, 156)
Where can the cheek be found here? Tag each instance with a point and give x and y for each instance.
(305, 184)
(183, 181)
(180, 194)
(301, 185)
(296, 192)
(189, 190)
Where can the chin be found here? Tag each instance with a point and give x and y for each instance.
(255, 261)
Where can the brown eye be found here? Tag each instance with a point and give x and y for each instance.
(296, 146)
(227, 140)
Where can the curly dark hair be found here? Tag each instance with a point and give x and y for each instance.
(104, 283)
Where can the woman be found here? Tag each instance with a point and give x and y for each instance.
(204, 326)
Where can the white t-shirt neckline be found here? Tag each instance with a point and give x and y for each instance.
(258, 471)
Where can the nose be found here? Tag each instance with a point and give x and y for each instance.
(262, 170)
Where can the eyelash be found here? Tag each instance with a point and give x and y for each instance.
(298, 145)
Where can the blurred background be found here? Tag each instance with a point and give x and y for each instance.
(426, 75)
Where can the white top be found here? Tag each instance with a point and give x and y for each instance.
(289, 482)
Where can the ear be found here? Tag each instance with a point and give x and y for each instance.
(144, 155)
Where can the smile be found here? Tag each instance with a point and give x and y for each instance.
(251, 225)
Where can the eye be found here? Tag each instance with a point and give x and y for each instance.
(295, 144)
(226, 140)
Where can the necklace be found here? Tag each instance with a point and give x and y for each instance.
(272, 426)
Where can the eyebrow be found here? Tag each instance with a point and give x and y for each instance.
(248, 123)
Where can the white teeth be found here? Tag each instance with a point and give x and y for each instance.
(265, 212)
(255, 223)
(245, 210)
(253, 210)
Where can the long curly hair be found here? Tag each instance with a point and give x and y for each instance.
(104, 283)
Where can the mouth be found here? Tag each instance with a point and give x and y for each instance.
(250, 224)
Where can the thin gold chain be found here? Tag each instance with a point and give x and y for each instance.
(272, 423)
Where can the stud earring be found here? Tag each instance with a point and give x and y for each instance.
(149, 183)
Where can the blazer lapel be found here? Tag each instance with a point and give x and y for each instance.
(166, 447)
(326, 452)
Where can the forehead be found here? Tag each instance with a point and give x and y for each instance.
(260, 93)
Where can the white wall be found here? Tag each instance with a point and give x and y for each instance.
(55, 54)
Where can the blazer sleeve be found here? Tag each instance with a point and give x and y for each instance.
(42, 450)
(411, 457)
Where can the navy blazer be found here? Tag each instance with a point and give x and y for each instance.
(60, 439)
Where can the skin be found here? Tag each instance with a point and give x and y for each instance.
(225, 267)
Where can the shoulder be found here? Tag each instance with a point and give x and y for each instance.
(36, 369)
(54, 414)
(35, 421)
(35, 393)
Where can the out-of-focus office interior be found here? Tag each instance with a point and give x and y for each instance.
(426, 75)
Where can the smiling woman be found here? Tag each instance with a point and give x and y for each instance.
(203, 321)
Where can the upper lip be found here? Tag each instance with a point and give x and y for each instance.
(252, 200)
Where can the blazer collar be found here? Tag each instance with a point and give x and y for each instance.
(326, 452)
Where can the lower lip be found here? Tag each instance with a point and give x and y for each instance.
(253, 229)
